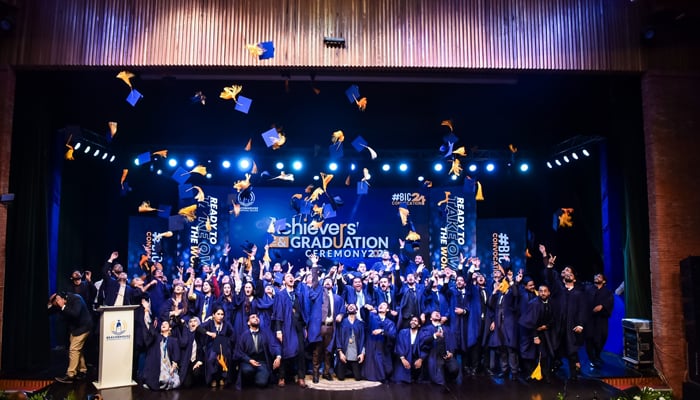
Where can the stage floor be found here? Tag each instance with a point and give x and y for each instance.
(591, 385)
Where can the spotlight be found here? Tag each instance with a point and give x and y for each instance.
(96, 153)
(297, 165)
(87, 149)
(77, 145)
(189, 163)
(316, 177)
(584, 151)
(403, 167)
(566, 159)
(574, 155)
(208, 175)
(333, 166)
(172, 162)
(472, 167)
(279, 165)
(437, 167)
(453, 177)
(549, 165)
(490, 167)
(159, 172)
(421, 178)
(111, 159)
(557, 162)
(244, 163)
(353, 167)
(386, 167)
(524, 167)
(104, 156)
(136, 161)
(226, 164)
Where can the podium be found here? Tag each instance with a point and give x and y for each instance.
(116, 347)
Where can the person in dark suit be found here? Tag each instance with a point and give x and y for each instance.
(258, 355)
(73, 309)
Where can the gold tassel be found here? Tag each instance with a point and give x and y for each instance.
(479, 192)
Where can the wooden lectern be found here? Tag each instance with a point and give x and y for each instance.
(116, 347)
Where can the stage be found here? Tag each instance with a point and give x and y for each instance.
(607, 382)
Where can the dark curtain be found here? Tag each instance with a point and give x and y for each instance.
(636, 245)
(43, 248)
(26, 327)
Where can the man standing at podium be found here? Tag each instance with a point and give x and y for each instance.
(73, 309)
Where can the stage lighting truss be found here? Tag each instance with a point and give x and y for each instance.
(87, 144)
(571, 150)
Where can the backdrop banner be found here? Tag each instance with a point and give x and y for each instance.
(453, 226)
(338, 226)
(501, 237)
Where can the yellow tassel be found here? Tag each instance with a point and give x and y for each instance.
(537, 373)
(479, 192)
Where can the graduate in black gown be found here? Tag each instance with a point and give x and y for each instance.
(540, 332)
(160, 371)
(408, 366)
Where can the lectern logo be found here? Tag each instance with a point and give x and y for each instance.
(118, 327)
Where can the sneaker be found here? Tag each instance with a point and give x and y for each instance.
(65, 379)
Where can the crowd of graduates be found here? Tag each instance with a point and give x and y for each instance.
(249, 322)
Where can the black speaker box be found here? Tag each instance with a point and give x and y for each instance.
(690, 296)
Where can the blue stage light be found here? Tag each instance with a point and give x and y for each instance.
(172, 162)
(490, 167)
(189, 163)
(226, 164)
(297, 165)
(403, 167)
(437, 167)
(333, 166)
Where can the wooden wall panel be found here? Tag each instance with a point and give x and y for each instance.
(593, 35)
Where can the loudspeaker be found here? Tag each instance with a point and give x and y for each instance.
(690, 296)
(691, 390)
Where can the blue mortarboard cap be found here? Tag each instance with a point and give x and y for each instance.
(447, 148)
(180, 175)
(144, 158)
(164, 211)
(133, 97)
(185, 191)
(359, 143)
(243, 104)
(336, 150)
(268, 50)
(281, 225)
(353, 93)
(328, 211)
(270, 137)
(125, 189)
(176, 223)
(362, 187)
(450, 138)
